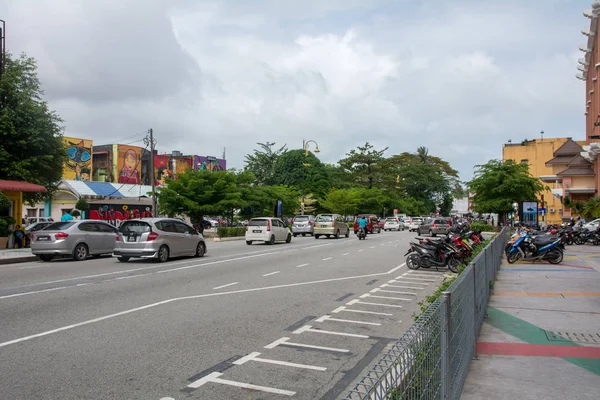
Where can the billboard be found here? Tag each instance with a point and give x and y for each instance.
(208, 163)
(79, 159)
(127, 164)
(529, 210)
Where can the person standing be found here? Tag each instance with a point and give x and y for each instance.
(66, 216)
(18, 235)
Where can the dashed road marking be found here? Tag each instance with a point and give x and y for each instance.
(361, 250)
(403, 287)
(382, 244)
(8, 296)
(327, 259)
(342, 308)
(356, 301)
(418, 279)
(285, 341)
(308, 328)
(302, 265)
(372, 247)
(224, 286)
(383, 297)
(254, 357)
(272, 273)
(410, 283)
(214, 378)
(345, 254)
(350, 321)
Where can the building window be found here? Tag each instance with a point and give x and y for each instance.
(525, 161)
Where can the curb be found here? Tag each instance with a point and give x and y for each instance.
(17, 260)
(228, 239)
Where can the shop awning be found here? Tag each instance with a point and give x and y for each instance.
(20, 186)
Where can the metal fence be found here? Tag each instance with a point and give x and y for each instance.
(431, 360)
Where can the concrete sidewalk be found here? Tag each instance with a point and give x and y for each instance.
(541, 336)
(12, 256)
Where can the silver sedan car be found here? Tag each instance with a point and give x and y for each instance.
(77, 238)
(159, 238)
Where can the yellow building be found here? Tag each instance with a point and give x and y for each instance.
(536, 153)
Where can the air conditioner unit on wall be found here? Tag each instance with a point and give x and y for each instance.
(552, 210)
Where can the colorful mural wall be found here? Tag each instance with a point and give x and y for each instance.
(168, 166)
(209, 163)
(79, 159)
(127, 164)
(116, 213)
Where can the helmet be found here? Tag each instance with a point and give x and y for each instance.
(578, 218)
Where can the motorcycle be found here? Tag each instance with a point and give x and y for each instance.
(432, 254)
(362, 235)
(529, 248)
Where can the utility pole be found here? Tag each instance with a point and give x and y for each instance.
(149, 141)
(2, 54)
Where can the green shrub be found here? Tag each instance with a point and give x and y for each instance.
(224, 232)
(351, 225)
(5, 222)
(478, 226)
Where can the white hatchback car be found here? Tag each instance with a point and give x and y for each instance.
(268, 230)
(393, 224)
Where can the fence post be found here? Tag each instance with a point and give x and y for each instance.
(446, 388)
(475, 311)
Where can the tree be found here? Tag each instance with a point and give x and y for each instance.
(591, 209)
(365, 164)
(32, 147)
(294, 168)
(342, 201)
(446, 206)
(497, 185)
(262, 162)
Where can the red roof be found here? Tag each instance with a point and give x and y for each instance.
(20, 186)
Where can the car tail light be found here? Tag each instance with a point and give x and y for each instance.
(434, 225)
(268, 225)
(61, 235)
(118, 238)
(152, 236)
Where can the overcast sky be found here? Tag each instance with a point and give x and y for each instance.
(460, 77)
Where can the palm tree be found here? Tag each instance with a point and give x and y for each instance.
(423, 154)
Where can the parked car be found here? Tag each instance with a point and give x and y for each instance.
(160, 238)
(76, 238)
(33, 220)
(414, 224)
(373, 225)
(37, 226)
(268, 230)
(592, 225)
(435, 226)
(393, 224)
(330, 225)
(303, 225)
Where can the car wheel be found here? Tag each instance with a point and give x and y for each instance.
(46, 257)
(248, 242)
(316, 236)
(271, 240)
(304, 234)
(337, 235)
(347, 233)
(163, 254)
(123, 259)
(200, 249)
(289, 238)
(81, 252)
(295, 234)
(431, 233)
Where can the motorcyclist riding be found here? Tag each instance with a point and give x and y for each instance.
(362, 223)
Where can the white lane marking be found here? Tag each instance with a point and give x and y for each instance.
(417, 279)
(361, 250)
(214, 377)
(372, 247)
(382, 244)
(308, 328)
(350, 321)
(8, 296)
(345, 254)
(285, 340)
(356, 301)
(328, 258)
(403, 287)
(422, 275)
(127, 277)
(82, 284)
(422, 284)
(254, 357)
(224, 286)
(302, 265)
(383, 297)
(199, 296)
(167, 398)
(342, 308)
(272, 273)
(393, 291)
(390, 242)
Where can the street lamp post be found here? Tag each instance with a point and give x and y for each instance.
(305, 147)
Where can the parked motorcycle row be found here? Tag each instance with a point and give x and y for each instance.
(449, 252)
(530, 245)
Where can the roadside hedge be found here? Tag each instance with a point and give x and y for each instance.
(237, 231)
(482, 227)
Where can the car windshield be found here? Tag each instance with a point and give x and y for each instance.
(258, 222)
(324, 218)
(135, 227)
(391, 220)
(59, 226)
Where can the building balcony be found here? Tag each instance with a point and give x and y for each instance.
(581, 190)
(550, 178)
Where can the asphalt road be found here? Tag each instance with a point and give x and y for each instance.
(300, 320)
